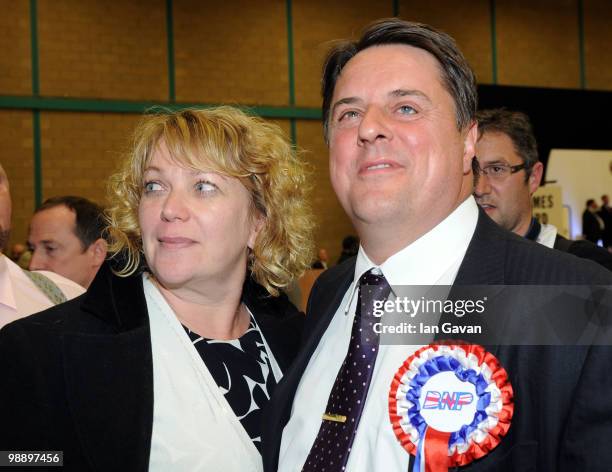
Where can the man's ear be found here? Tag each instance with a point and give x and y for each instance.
(98, 249)
(469, 147)
(535, 177)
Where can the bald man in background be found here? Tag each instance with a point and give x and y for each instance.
(23, 293)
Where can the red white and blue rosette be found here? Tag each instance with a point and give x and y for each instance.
(450, 404)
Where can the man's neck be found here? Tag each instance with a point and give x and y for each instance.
(523, 227)
(381, 241)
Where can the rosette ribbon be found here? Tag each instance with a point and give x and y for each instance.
(484, 385)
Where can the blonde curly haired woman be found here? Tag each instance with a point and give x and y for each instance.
(167, 361)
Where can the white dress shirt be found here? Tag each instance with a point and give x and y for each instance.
(433, 259)
(20, 297)
(547, 236)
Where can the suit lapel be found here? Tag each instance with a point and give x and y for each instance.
(319, 315)
(109, 377)
(483, 264)
(484, 261)
(321, 309)
(323, 306)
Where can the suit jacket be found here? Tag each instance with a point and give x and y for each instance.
(590, 227)
(584, 249)
(563, 395)
(78, 377)
(606, 215)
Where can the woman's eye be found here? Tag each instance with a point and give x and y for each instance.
(151, 187)
(205, 187)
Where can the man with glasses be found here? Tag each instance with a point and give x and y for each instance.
(507, 174)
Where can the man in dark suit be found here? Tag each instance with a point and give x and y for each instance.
(592, 224)
(605, 212)
(398, 108)
(508, 174)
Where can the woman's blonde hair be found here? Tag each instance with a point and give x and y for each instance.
(232, 143)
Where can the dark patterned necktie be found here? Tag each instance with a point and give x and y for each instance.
(332, 445)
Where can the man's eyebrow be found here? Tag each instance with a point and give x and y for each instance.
(41, 242)
(408, 93)
(345, 101)
(496, 161)
(393, 93)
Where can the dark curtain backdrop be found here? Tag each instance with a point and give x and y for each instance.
(561, 118)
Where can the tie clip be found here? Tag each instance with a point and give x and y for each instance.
(334, 417)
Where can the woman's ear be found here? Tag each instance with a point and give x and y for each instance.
(257, 225)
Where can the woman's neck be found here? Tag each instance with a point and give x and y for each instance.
(215, 315)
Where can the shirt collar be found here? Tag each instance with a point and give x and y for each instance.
(7, 296)
(424, 261)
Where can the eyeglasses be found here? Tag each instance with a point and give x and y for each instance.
(497, 171)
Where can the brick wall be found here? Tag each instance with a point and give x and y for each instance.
(468, 21)
(537, 48)
(81, 150)
(233, 53)
(332, 223)
(236, 52)
(16, 158)
(103, 49)
(598, 33)
(315, 25)
(15, 64)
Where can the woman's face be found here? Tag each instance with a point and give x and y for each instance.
(196, 226)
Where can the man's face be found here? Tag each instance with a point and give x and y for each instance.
(506, 201)
(605, 200)
(55, 246)
(5, 209)
(397, 159)
(323, 257)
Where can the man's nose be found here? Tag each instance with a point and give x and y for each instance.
(374, 126)
(38, 261)
(482, 186)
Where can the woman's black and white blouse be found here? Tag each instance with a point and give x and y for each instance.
(241, 368)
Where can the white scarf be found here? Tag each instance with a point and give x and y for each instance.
(194, 427)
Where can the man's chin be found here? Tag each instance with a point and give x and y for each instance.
(382, 212)
(489, 210)
(493, 213)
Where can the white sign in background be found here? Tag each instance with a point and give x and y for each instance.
(581, 174)
(548, 207)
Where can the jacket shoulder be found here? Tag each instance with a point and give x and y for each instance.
(587, 250)
(337, 275)
(531, 262)
(498, 256)
(55, 317)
